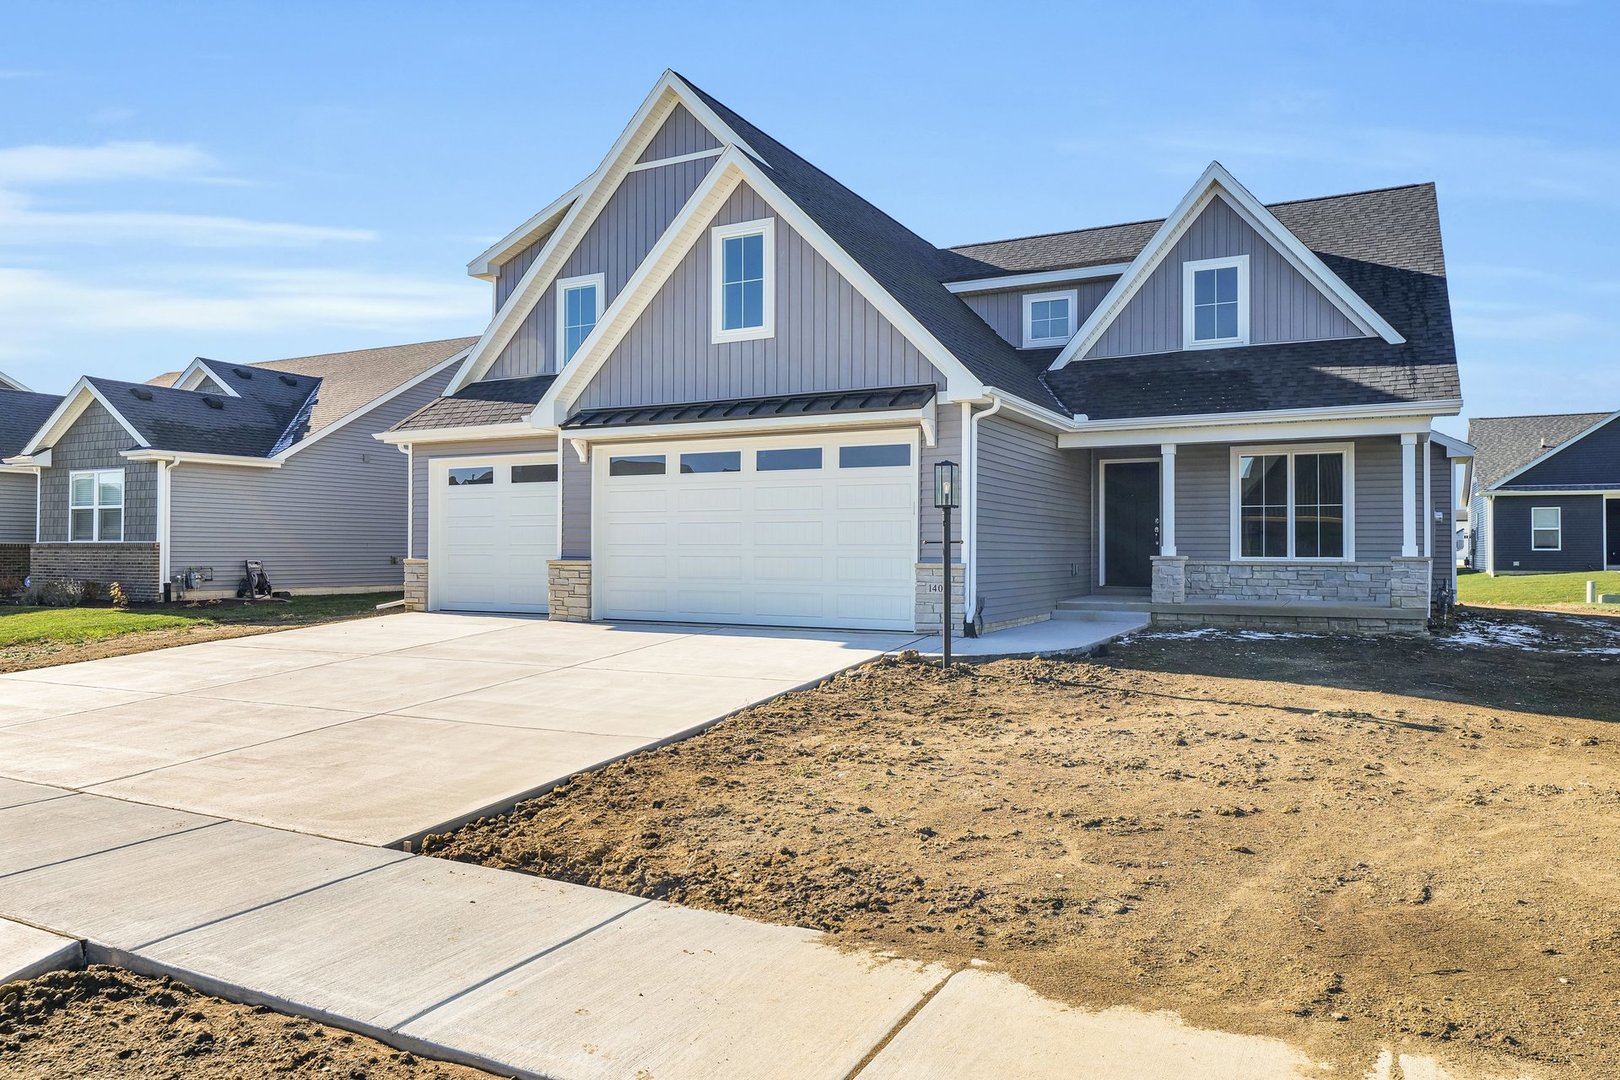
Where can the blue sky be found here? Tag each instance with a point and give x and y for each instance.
(257, 181)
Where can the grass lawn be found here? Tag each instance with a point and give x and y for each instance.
(1535, 590)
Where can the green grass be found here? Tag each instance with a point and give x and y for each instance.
(74, 626)
(1533, 590)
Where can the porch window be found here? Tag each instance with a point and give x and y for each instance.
(96, 506)
(1292, 503)
(1546, 528)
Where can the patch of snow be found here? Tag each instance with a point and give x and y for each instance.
(1502, 635)
(1222, 632)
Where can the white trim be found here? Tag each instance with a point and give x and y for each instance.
(1566, 444)
(1490, 534)
(514, 429)
(1608, 493)
(1559, 529)
(1189, 311)
(1027, 303)
(1456, 449)
(1167, 499)
(1428, 499)
(1409, 547)
(177, 458)
(1102, 508)
(1216, 181)
(598, 284)
(71, 408)
(658, 163)
(922, 418)
(765, 228)
(1292, 450)
(970, 467)
(96, 506)
(343, 421)
(410, 499)
(165, 486)
(1046, 277)
(8, 383)
(1439, 407)
(1286, 430)
(487, 264)
(439, 469)
(1607, 499)
(198, 370)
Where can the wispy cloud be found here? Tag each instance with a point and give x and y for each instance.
(1511, 322)
(28, 166)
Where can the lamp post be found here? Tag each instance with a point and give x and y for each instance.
(947, 496)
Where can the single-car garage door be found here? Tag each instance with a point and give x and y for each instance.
(493, 528)
(794, 531)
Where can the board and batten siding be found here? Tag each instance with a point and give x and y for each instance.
(680, 133)
(1582, 523)
(95, 441)
(1004, 311)
(1034, 521)
(828, 336)
(510, 272)
(635, 216)
(332, 517)
(485, 448)
(18, 495)
(1283, 305)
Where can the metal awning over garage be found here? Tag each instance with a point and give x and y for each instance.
(781, 406)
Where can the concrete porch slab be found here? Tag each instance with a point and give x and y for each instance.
(383, 633)
(415, 935)
(373, 684)
(26, 952)
(1049, 638)
(794, 655)
(42, 833)
(23, 700)
(676, 992)
(178, 670)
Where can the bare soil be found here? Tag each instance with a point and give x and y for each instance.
(104, 1022)
(1338, 841)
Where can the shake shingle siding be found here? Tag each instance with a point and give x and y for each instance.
(96, 441)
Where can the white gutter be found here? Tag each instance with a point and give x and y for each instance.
(515, 429)
(165, 520)
(1442, 407)
(970, 465)
(1045, 277)
(200, 459)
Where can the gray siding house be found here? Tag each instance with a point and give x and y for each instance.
(717, 382)
(169, 487)
(21, 414)
(1546, 493)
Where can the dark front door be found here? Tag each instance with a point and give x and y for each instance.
(1130, 516)
(1612, 508)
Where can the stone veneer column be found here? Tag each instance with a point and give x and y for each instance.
(1169, 579)
(930, 612)
(568, 584)
(416, 584)
(1409, 583)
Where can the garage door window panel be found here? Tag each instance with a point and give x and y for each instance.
(790, 460)
(481, 474)
(885, 456)
(534, 474)
(714, 461)
(636, 465)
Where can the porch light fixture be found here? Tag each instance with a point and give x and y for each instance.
(947, 497)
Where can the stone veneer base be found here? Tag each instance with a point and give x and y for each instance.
(930, 607)
(568, 588)
(416, 584)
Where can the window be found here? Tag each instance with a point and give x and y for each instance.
(481, 474)
(742, 285)
(534, 474)
(1546, 528)
(806, 457)
(1215, 298)
(1049, 318)
(636, 465)
(1292, 502)
(579, 305)
(713, 462)
(874, 457)
(96, 506)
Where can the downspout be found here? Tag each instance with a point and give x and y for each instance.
(165, 518)
(970, 554)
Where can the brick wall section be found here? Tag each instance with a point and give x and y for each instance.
(1333, 583)
(13, 561)
(569, 589)
(416, 584)
(133, 566)
(930, 613)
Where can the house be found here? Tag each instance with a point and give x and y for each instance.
(717, 383)
(169, 487)
(1546, 493)
(21, 414)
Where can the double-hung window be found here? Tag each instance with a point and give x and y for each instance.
(1546, 528)
(96, 506)
(579, 305)
(743, 281)
(1049, 318)
(1293, 502)
(1215, 302)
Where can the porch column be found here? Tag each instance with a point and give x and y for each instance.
(1409, 546)
(1428, 496)
(1167, 499)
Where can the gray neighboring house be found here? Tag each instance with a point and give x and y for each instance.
(1546, 493)
(169, 487)
(21, 414)
(717, 383)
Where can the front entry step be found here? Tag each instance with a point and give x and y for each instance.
(1099, 606)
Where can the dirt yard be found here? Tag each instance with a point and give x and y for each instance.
(1343, 842)
(103, 1022)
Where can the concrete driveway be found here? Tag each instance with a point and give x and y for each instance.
(384, 729)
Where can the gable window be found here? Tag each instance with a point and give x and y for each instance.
(1546, 528)
(1292, 502)
(742, 283)
(1215, 302)
(1049, 318)
(579, 305)
(96, 506)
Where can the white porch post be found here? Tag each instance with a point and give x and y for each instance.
(1428, 496)
(1409, 547)
(1167, 499)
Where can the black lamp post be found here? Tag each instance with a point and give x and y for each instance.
(947, 496)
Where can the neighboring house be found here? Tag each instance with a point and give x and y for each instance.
(717, 383)
(21, 414)
(1546, 494)
(169, 487)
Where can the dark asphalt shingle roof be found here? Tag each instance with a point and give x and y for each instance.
(498, 401)
(1505, 444)
(757, 408)
(256, 424)
(22, 414)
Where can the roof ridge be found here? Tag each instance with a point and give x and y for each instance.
(346, 352)
(1543, 416)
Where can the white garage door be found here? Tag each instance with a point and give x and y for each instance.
(493, 527)
(797, 531)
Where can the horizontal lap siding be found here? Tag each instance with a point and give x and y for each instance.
(1378, 498)
(1004, 311)
(1034, 509)
(332, 517)
(947, 447)
(96, 441)
(1444, 541)
(827, 335)
(423, 454)
(1204, 501)
(635, 216)
(17, 501)
(576, 505)
(1582, 539)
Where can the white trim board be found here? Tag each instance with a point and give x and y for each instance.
(8, 383)
(343, 421)
(72, 407)
(1348, 494)
(1005, 282)
(199, 369)
(1217, 182)
(1102, 510)
(1560, 448)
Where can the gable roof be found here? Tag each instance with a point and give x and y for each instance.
(21, 414)
(259, 422)
(1508, 445)
(8, 383)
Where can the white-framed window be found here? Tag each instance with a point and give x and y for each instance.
(1049, 318)
(1546, 528)
(742, 286)
(1293, 502)
(1215, 302)
(96, 506)
(579, 305)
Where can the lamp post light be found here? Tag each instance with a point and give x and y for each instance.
(947, 496)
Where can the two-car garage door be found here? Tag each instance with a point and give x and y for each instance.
(791, 531)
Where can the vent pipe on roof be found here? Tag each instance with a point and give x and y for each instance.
(141, 393)
(242, 373)
(213, 402)
(289, 380)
